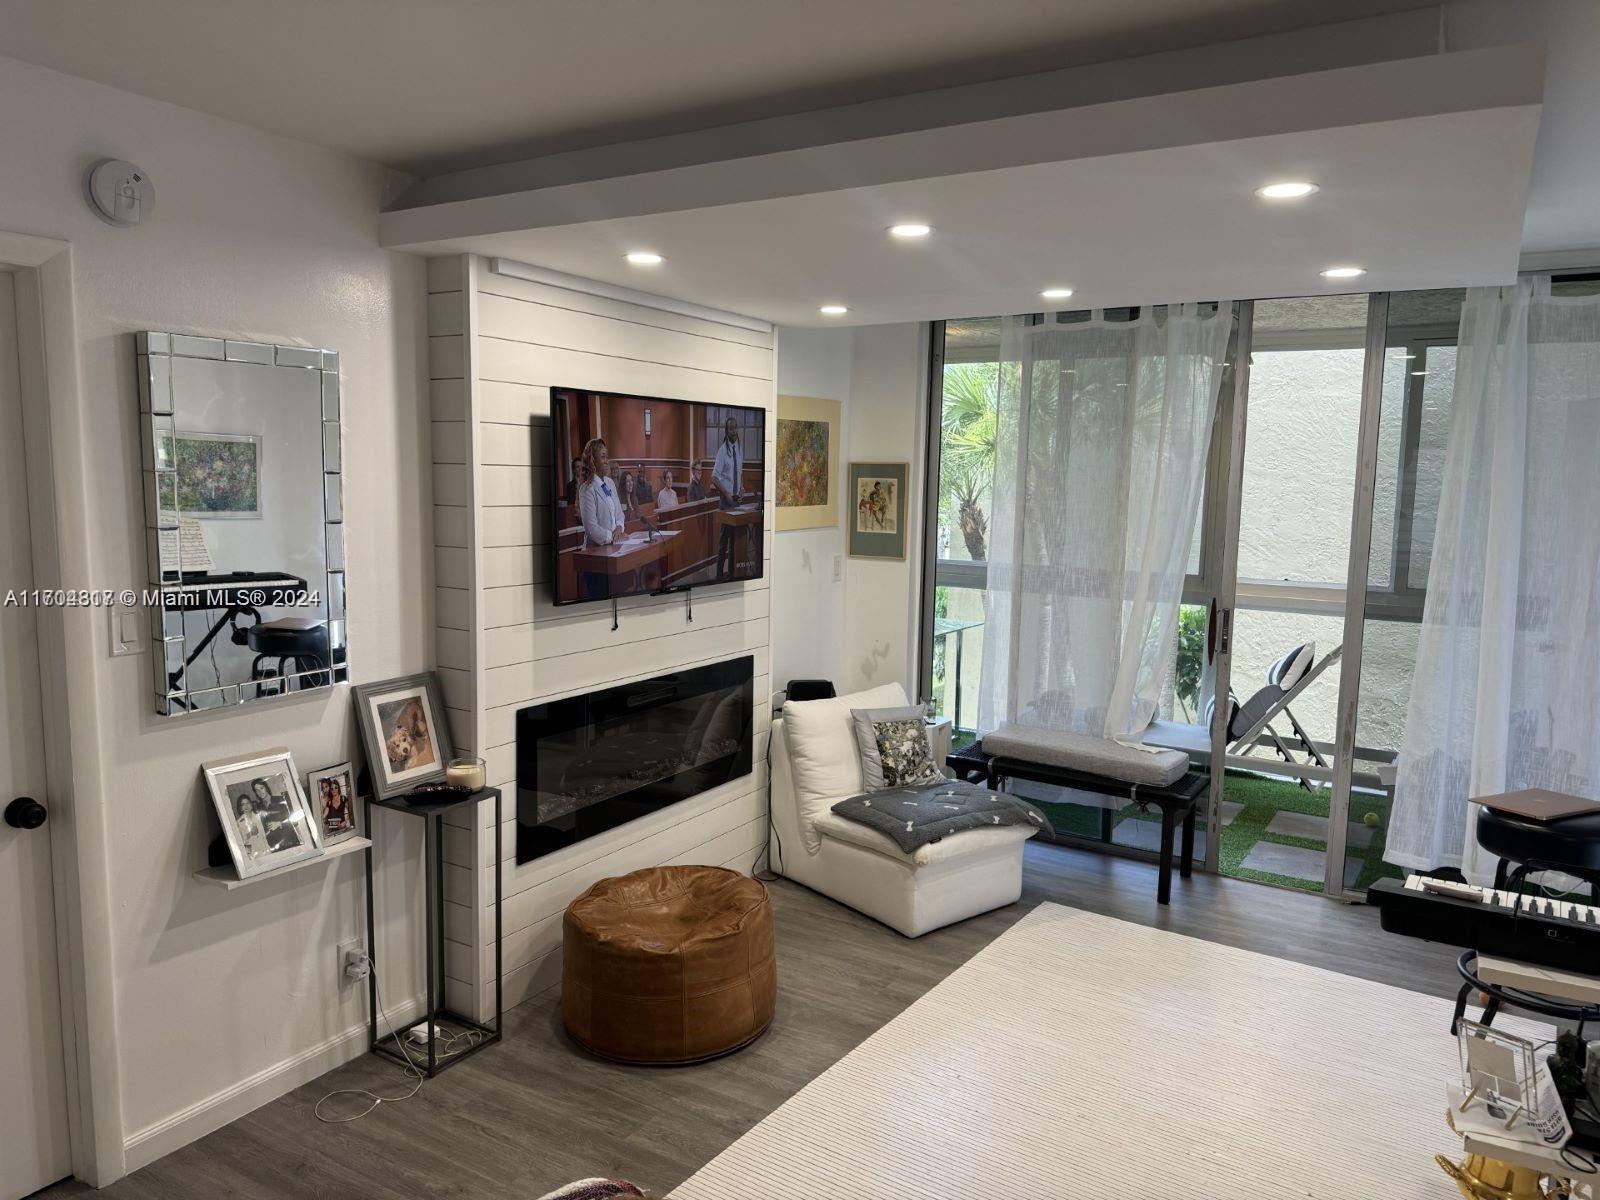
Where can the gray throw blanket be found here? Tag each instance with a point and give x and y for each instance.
(919, 815)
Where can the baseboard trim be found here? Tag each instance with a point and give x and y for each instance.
(207, 1116)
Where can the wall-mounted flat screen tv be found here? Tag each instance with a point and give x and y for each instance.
(653, 495)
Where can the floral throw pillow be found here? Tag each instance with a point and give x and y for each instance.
(894, 749)
(903, 749)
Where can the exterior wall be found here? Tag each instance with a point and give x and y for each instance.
(1294, 522)
(497, 344)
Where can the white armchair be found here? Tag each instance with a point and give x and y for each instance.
(815, 765)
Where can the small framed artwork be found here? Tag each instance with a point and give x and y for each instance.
(808, 463)
(333, 794)
(403, 732)
(265, 818)
(218, 474)
(877, 496)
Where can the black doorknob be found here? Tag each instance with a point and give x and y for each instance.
(25, 813)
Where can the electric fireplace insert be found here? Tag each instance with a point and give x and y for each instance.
(589, 763)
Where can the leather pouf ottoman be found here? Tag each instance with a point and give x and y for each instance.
(669, 965)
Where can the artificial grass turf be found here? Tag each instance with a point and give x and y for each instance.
(1262, 798)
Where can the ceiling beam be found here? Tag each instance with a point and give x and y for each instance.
(1158, 102)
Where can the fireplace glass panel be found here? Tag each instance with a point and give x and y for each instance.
(589, 763)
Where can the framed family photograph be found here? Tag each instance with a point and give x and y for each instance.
(333, 795)
(403, 732)
(265, 818)
(808, 463)
(877, 495)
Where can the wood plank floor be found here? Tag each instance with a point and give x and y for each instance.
(535, 1112)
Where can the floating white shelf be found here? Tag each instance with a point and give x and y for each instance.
(226, 877)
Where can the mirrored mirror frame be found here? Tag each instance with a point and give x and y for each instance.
(157, 417)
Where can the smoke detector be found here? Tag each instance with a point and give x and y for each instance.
(119, 192)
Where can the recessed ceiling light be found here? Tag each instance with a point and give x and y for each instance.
(833, 310)
(1056, 293)
(911, 230)
(644, 258)
(1289, 189)
(1343, 272)
(1419, 372)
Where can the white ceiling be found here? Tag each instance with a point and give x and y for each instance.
(1429, 198)
(1427, 202)
(435, 84)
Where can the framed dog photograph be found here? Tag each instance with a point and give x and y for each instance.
(332, 791)
(403, 732)
(265, 818)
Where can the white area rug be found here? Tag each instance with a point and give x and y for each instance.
(1082, 1056)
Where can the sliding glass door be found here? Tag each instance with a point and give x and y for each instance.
(1346, 411)
(1290, 517)
(1413, 370)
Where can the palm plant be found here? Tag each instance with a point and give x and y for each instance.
(966, 469)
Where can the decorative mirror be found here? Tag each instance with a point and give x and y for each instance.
(244, 519)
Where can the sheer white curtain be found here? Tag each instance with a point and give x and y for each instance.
(1099, 467)
(1506, 692)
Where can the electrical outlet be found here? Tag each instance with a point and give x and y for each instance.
(353, 962)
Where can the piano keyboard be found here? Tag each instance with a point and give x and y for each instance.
(1532, 929)
(1583, 914)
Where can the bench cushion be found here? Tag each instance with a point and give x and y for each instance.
(1146, 765)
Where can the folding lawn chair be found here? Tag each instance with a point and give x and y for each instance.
(1286, 679)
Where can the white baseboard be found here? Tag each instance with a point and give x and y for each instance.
(190, 1124)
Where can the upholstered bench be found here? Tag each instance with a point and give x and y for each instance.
(1144, 776)
(668, 965)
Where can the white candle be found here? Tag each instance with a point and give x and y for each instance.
(465, 772)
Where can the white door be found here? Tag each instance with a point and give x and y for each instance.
(33, 1089)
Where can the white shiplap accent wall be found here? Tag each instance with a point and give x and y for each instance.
(498, 344)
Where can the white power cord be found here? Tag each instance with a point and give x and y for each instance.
(411, 1069)
(448, 1048)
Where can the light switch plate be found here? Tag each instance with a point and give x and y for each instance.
(838, 566)
(127, 630)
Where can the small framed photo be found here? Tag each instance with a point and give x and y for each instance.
(877, 495)
(333, 795)
(264, 814)
(403, 732)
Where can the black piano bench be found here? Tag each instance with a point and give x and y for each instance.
(1569, 844)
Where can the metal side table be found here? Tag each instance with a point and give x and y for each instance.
(436, 1011)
